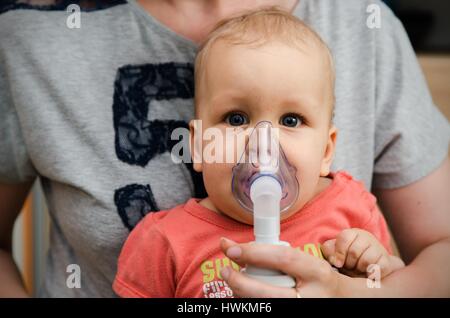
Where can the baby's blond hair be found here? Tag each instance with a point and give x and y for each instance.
(256, 28)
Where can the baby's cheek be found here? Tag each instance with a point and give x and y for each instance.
(308, 175)
(217, 175)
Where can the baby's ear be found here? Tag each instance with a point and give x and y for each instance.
(329, 152)
(195, 143)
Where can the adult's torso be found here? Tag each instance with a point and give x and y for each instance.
(97, 105)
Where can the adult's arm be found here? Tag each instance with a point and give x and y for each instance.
(11, 201)
(419, 216)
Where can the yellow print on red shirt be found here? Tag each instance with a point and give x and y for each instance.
(215, 287)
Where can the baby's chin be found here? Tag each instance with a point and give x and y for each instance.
(246, 217)
(233, 211)
(241, 216)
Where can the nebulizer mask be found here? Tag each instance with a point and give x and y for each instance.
(265, 184)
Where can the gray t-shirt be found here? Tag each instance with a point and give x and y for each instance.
(90, 111)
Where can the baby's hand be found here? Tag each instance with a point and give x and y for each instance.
(353, 250)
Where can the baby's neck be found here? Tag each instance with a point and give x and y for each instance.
(324, 182)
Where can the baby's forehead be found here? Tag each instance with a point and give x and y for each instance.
(309, 47)
(305, 49)
(219, 78)
(226, 58)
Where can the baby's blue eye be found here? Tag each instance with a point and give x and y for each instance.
(236, 119)
(291, 120)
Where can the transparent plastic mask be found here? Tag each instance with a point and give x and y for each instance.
(264, 156)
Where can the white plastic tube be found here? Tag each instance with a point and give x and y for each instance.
(265, 193)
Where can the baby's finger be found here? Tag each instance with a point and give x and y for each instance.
(370, 256)
(359, 245)
(343, 242)
(328, 250)
(385, 265)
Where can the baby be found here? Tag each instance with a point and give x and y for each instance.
(262, 66)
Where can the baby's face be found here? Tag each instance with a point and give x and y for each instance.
(292, 89)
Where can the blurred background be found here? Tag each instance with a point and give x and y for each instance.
(428, 26)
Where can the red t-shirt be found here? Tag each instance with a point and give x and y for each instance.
(176, 253)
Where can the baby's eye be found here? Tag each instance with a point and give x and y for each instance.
(236, 119)
(291, 120)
